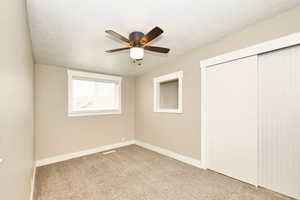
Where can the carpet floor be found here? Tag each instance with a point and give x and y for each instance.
(134, 173)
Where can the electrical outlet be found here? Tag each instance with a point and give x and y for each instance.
(123, 139)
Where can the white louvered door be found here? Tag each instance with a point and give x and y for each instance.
(279, 121)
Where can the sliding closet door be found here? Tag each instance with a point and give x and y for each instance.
(279, 121)
(232, 119)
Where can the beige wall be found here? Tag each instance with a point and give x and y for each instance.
(57, 134)
(169, 95)
(181, 132)
(16, 97)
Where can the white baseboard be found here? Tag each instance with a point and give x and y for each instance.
(55, 159)
(69, 156)
(32, 184)
(185, 159)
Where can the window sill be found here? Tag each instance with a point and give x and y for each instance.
(80, 114)
(168, 111)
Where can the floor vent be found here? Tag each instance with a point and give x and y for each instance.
(109, 152)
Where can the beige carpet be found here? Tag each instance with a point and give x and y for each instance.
(134, 173)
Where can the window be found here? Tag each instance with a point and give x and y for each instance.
(168, 93)
(93, 94)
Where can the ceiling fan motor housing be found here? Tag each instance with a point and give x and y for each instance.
(135, 37)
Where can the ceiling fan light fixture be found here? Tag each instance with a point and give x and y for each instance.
(138, 42)
(136, 53)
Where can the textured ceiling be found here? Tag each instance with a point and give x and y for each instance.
(71, 33)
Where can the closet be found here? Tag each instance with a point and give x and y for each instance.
(251, 115)
(279, 121)
(231, 118)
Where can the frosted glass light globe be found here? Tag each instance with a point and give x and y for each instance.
(136, 53)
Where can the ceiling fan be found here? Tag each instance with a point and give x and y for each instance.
(137, 43)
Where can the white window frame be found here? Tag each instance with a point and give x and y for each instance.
(93, 76)
(156, 86)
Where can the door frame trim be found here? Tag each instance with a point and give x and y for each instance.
(271, 45)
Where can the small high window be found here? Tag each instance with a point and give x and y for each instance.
(168, 93)
(93, 94)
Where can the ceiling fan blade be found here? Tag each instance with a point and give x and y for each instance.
(117, 35)
(154, 33)
(157, 49)
(115, 50)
